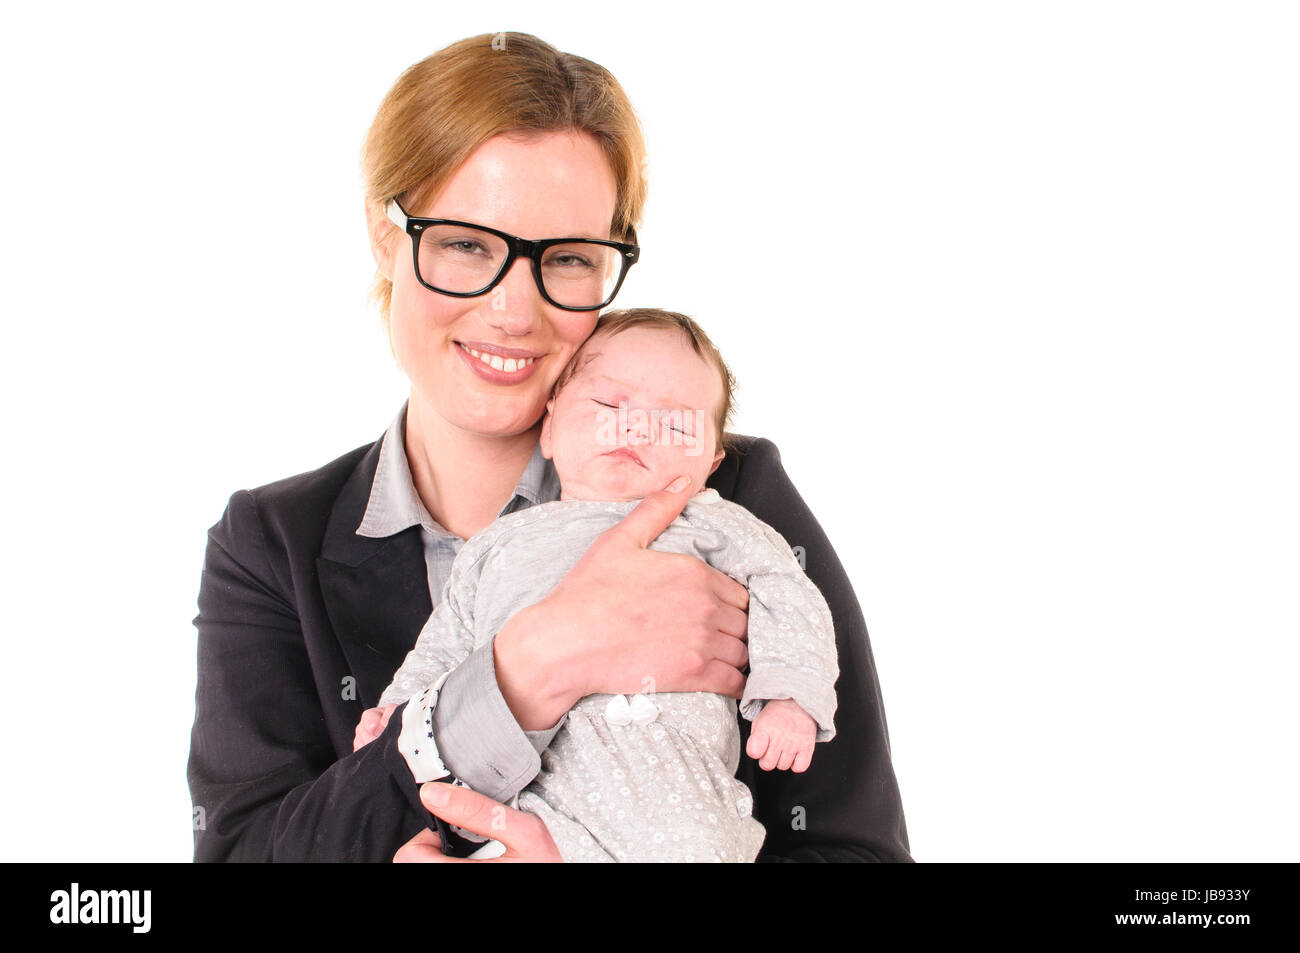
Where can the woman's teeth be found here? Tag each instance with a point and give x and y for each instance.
(507, 364)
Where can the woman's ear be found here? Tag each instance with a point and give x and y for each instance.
(383, 234)
(545, 441)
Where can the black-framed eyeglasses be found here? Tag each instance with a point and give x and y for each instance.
(466, 260)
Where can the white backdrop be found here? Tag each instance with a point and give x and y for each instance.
(1045, 404)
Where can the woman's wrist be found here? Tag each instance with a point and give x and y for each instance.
(537, 682)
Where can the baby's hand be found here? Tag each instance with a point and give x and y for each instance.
(783, 737)
(371, 726)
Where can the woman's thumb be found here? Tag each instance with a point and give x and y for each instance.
(653, 514)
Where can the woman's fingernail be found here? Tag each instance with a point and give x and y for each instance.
(439, 794)
(678, 484)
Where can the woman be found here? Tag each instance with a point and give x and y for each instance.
(315, 587)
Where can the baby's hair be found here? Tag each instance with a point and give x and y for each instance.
(614, 322)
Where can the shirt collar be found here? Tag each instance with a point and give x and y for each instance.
(394, 505)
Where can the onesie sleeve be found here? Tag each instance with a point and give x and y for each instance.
(446, 641)
(439, 649)
(791, 635)
(445, 715)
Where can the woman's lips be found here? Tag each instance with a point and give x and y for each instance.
(486, 348)
(628, 454)
(497, 364)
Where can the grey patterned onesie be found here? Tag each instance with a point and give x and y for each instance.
(654, 778)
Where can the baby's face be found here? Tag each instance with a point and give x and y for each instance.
(639, 413)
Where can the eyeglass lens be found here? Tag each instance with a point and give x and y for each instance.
(466, 260)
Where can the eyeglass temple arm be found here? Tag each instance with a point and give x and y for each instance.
(396, 215)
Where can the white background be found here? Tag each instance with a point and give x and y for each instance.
(1013, 287)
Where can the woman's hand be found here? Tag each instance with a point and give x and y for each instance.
(626, 619)
(525, 837)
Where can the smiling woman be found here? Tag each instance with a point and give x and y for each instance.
(518, 185)
(505, 167)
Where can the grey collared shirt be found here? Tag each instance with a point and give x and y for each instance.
(477, 736)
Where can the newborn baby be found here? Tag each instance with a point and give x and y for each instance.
(651, 777)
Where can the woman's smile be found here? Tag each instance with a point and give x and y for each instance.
(499, 365)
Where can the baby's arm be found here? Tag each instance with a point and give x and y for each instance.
(792, 653)
(445, 641)
(783, 737)
(790, 692)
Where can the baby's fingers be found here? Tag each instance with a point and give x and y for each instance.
(758, 742)
(802, 760)
(785, 758)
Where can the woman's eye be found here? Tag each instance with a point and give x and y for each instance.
(462, 246)
(569, 261)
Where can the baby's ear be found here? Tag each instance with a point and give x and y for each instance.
(717, 460)
(545, 440)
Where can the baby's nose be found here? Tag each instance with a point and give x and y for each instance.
(638, 429)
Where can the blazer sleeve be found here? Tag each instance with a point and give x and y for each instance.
(846, 806)
(265, 780)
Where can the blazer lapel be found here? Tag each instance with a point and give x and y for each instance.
(376, 591)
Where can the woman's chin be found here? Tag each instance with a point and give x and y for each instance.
(511, 421)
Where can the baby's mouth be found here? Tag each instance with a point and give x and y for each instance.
(629, 454)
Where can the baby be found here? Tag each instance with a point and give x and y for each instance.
(652, 777)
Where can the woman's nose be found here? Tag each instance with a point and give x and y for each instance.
(515, 307)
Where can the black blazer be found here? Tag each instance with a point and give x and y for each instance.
(302, 624)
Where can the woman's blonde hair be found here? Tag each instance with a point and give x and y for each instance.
(448, 104)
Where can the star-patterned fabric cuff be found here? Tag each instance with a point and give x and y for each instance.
(416, 742)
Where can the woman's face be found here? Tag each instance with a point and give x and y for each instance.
(553, 185)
